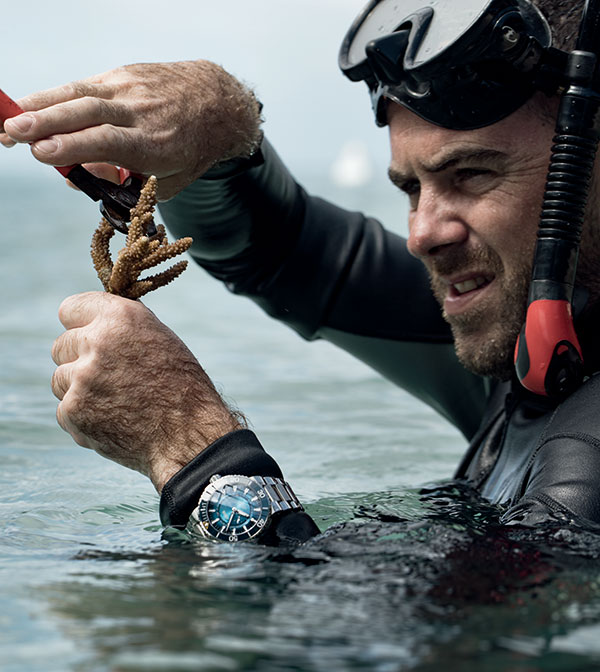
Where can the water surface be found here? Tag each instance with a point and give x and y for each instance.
(400, 580)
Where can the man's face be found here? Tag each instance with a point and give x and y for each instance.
(475, 199)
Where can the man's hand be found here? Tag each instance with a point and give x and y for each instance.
(131, 390)
(172, 120)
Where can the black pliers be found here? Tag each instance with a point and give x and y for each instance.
(116, 200)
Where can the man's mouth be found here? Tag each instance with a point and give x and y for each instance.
(469, 285)
(464, 292)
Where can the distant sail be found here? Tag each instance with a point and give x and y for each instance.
(352, 167)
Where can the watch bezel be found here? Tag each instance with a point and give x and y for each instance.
(215, 528)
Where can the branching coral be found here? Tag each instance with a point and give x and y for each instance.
(140, 253)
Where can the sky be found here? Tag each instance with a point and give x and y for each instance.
(286, 50)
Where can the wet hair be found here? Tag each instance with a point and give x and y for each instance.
(563, 17)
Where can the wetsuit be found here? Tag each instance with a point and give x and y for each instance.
(338, 275)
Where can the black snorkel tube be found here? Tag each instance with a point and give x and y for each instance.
(548, 358)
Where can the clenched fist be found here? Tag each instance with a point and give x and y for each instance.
(131, 390)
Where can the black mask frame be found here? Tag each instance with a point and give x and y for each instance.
(458, 65)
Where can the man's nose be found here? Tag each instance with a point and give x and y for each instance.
(433, 226)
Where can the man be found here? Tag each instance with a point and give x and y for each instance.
(475, 196)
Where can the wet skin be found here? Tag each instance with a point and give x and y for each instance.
(475, 199)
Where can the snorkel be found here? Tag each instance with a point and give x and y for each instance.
(548, 357)
(470, 64)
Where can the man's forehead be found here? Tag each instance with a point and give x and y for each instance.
(452, 155)
(431, 157)
(417, 144)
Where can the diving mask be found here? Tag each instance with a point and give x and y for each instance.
(460, 65)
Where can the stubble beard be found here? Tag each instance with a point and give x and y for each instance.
(485, 334)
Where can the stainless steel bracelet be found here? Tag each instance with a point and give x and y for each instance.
(281, 496)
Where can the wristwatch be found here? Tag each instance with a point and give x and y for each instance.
(237, 508)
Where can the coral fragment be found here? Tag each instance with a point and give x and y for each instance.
(140, 253)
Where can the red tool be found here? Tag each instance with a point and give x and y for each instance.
(116, 200)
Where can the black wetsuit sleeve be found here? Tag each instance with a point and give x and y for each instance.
(238, 453)
(327, 273)
(307, 262)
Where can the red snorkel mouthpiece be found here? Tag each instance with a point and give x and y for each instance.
(548, 357)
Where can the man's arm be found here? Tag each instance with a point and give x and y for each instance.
(132, 391)
(172, 120)
(326, 272)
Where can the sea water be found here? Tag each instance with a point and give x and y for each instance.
(402, 578)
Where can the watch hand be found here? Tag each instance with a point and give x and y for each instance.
(233, 512)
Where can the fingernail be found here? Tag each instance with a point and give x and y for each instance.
(22, 123)
(47, 146)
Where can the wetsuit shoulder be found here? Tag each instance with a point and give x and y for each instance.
(562, 475)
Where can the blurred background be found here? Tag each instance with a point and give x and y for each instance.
(86, 580)
(286, 50)
(323, 128)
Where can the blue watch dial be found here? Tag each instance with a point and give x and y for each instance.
(233, 508)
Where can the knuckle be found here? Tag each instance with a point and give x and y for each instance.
(55, 386)
(127, 310)
(63, 309)
(130, 146)
(101, 107)
(67, 419)
(79, 89)
(60, 418)
(68, 307)
(68, 407)
(57, 348)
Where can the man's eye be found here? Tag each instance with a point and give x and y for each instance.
(410, 187)
(476, 180)
(470, 173)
